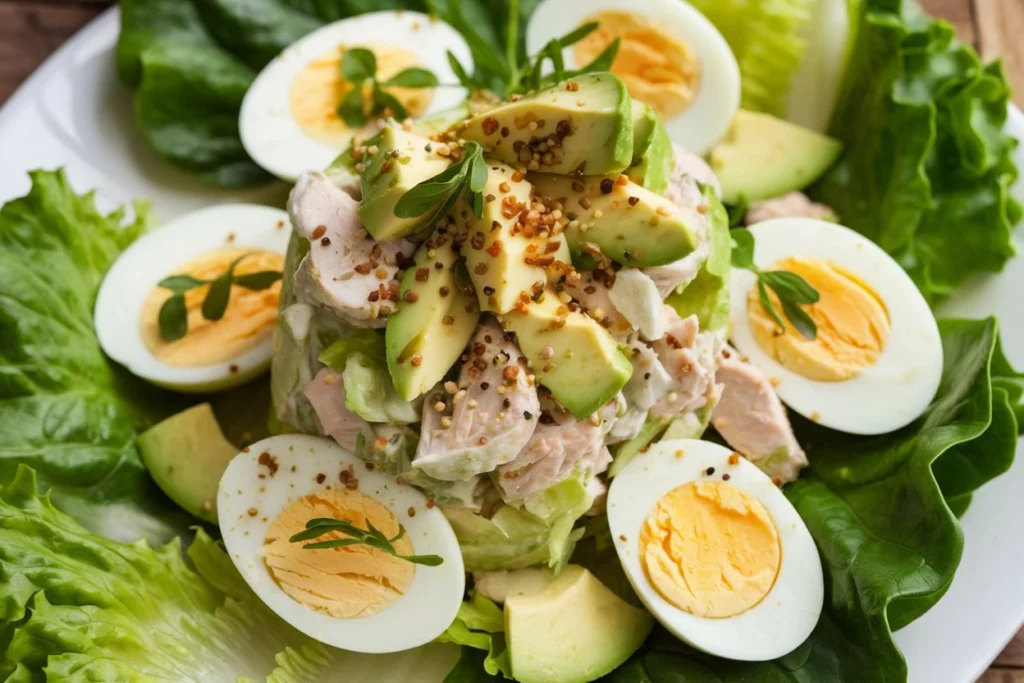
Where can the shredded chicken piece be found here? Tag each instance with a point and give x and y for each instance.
(792, 205)
(688, 357)
(326, 393)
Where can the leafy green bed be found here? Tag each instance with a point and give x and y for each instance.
(925, 174)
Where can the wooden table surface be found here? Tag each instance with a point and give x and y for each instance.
(31, 29)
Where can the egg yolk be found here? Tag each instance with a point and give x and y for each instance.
(656, 68)
(852, 321)
(317, 92)
(248, 320)
(347, 582)
(710, 549)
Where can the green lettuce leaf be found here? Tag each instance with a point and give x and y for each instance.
(767, 38)
(877, 509)
(370, 393)
(707, 296)
(479, 625)
(66, 410)
(927, 167)
(71, 609)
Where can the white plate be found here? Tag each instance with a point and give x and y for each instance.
(74, 113)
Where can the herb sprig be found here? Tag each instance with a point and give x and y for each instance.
(440, 193)
(359, 66)
(173, 316)
(515, 72)
(372, 536)
(791, 289)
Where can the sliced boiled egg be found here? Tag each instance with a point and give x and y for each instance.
(670, 57)
(354, 597)
(876, 361)
(289, 119)
(196, 249)
(715, 550)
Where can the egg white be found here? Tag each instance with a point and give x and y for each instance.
(422, 614)
(787, 614)
(709, 116)
(899, 386)
(163, 252)
(270, 133)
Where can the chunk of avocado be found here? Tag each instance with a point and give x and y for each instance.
(584, 125)
(571, 354)
(402, 161)
(439, 122)
(436, 317)
(653, 157)
(503, 261)
(574, 631)
(186, 455)
(631, 225)
(795, 156)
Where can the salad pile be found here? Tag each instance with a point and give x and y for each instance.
(601, 346)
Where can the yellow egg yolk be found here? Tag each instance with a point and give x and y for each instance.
(710, 549)
(347, 582)
(656, 68)
(852, 321)
(248, 320)
(317, 92)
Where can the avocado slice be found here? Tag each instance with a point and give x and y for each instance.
(796, 156)
(576, 630)
(186, 455)
(570, 353)
(584, 125)
(436, 317)
(402, 161)
(502, 261)
(653, 158)
(631, 225)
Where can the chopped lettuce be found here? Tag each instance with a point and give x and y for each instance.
(927, 167)
(480, 625)
(707, 296)
(370, 393)
(511, 539)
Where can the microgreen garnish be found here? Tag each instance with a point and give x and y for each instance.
(514, 72)
(173, 317)
(439, 194)
(791, 289)
(372, 536)
(359, 67)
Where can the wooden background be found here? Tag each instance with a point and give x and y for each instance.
(31, 29)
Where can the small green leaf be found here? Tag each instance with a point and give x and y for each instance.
(351, 108)
(414, 77)
(430, 192)
(766, 302)
(425, 560)
(386, 100)
(358, 64)
(743, 249)
(173, 318)
(400, 534)
(478, 172)
(801, 321)
(216, 302)
(258, 281)
(790, 287)
(179, 284)
(738, 212)
(603, 62)
(579, 34)
(465, 79)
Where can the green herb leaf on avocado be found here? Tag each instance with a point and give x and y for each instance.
(371, 536)
(442, 191)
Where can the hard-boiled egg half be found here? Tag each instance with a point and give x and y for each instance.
(157, 309)
(290, 120)
(354, 597)
(715, 550)
(876, 361)
(670, 57)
